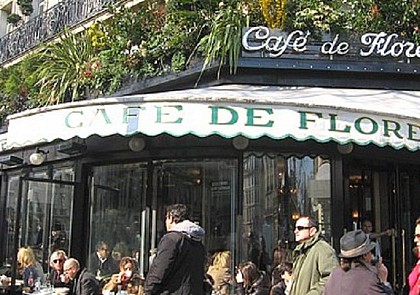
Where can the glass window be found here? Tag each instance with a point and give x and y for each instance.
(12, 197)
(121, 219)
(277, 191)
(117, 215)
(46, 214)
(207, 187)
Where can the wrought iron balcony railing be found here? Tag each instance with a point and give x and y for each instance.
(48, 25)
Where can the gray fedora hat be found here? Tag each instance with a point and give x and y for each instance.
(355, 243)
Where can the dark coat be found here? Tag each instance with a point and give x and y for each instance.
(361, 279)
(102, 269)
(278, 289)
(260, 287)
(55, 280)
(85, 283)
(178, 267)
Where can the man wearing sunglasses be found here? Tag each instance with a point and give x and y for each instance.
(313, 259)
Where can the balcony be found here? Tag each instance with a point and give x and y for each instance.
(27, 36)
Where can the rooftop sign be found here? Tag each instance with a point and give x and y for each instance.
(277, 44)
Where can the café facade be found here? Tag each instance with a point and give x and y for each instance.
(328, 128)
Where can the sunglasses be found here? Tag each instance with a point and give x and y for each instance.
(58, 260)
(299, 227)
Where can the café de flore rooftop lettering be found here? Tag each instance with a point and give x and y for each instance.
(276, 43)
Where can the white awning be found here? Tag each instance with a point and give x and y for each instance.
(362, 116)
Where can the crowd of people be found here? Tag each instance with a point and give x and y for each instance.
(179, 266)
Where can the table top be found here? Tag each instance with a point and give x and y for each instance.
(49, 291)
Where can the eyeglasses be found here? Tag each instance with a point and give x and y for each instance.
(58, 260)
(300, 228)
(67, 269)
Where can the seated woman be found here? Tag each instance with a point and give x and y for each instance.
(251, 281)
(29, 267)
(56, 275)
(219, 271)
(126, 279)
(281, 279)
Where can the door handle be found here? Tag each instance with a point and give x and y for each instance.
(404, 272)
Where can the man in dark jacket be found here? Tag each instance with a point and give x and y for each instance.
(84, 283)
(178, 267)
(101, 263)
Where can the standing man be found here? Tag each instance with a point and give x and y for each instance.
(178, 267)
(313, 259)
(367, 228)
(84, 283)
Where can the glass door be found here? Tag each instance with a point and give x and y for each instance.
(406, 209)
(127, 206)
(42, 213)
(208, 188)
(117, 217)
(375, 207)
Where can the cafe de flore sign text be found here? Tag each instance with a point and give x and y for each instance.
(227, 120)
(277, 43)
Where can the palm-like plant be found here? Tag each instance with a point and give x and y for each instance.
(223, 43)
(66, 67)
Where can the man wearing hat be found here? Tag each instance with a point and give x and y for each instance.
(313, 259)
(357, 275)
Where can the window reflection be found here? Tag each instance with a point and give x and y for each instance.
(277, 191)
(117, 202)
(46, 214)
(207, 187)
(12, 197)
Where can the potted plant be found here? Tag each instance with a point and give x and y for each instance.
(26, 7)
(14, 18)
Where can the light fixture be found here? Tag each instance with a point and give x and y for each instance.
(136, 144)
(240, 142)
(72, 147)
(11, 160)
(38, 157)
(345, 149)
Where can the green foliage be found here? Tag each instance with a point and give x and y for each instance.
(14, 18)
(316, 16)
(223, 43)
(18, 85)
(121, 43)
(385, 16)
(158, 37)
(25, 6)
(155, 38)
(66, 68)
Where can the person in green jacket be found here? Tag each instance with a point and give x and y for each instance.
(313, 259)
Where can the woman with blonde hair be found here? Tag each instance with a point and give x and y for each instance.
(219, 271)
(29, 267)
